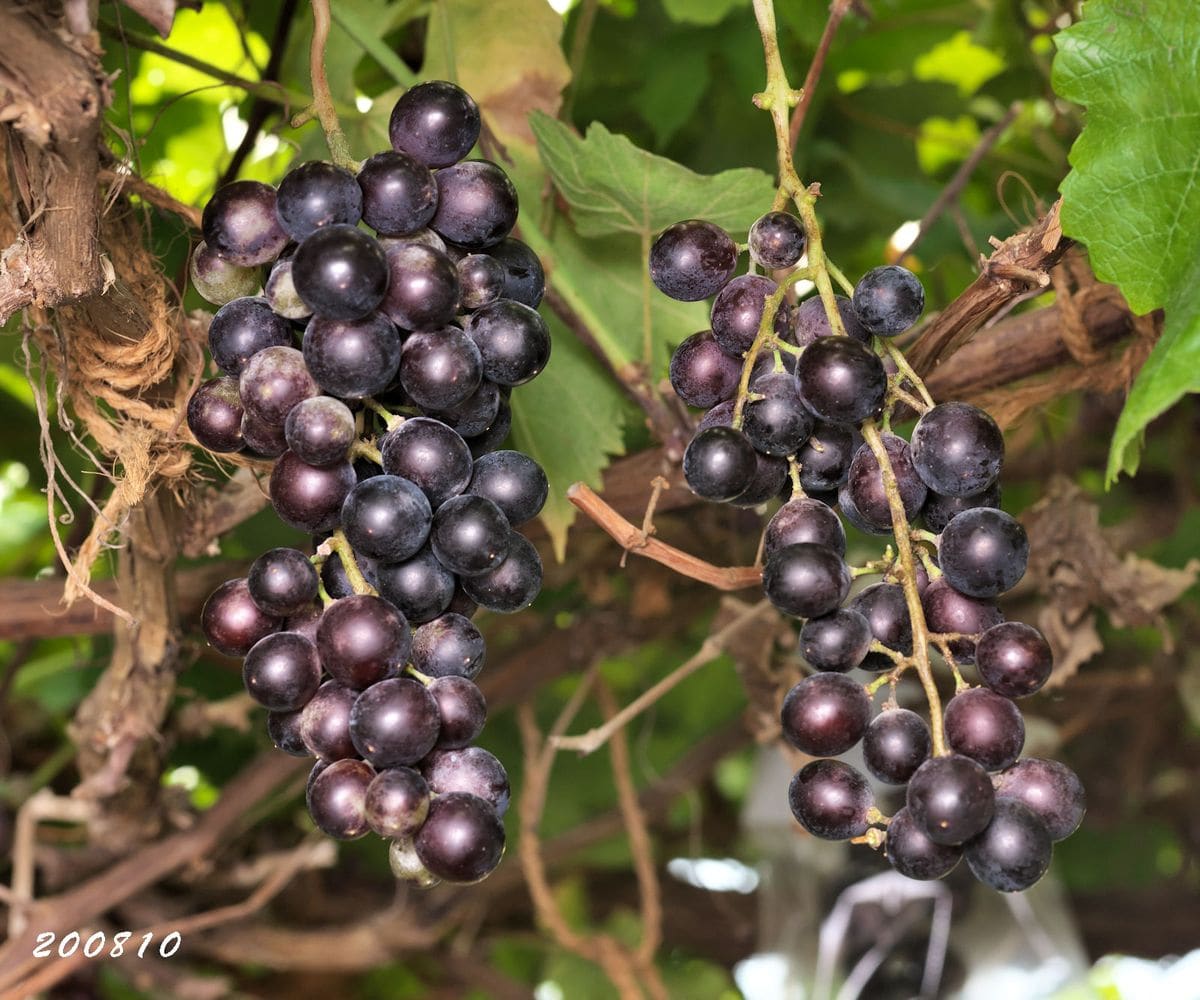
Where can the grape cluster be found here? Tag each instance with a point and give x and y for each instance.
(788, 400)
(374, 365)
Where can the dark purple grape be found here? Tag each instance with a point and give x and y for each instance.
(701, 373)
(262, 440)
(305, 621)
(399, 194)
(240, 225)
(470, 535)
(1013, 659)
(770, 480)
(337, 799)
(957, 449)
(836, 641)
(804, 520)
(939, 510)
(477, 204)
(422, 237)
(865, 482)
(439, 369)
(475, 414)
(471, 770)
(431, 455)
(737, 313)
(394, 722)
(524, 279)
(513, 339)
(888, 300)
(779, 423)
(282, 582)
(462, 709)
(449, 646)
(825, 714)
(435, 122)
(719, 463)
(335, 580)
(423, 287)
(281, 672)
(845, 502)
(895, 744)
(946, 610)
(806, 580)
(950, 798)
(274, 381)
(776, 241)
(983, 552)
(317, 194)
(397, 802)
(461, 604)
(232, 622)
(841, 381)
(986, 727)
(325, 722)
(513, 481)
(362, 640)
(284, 730)
(830, 800)
(351, 359)
(214, 415)
(241, 329)
(481, 280)
(886, 610)
(340, 272)
(692, 260)
(462, 840)
(810, 321)
(421, 587)
(1050, 789)
(386, 518)
(913, 854)
(496, 433)
(511, 586)
(218, 280)
(309, 497)
(826, 456)
(320, 430)
(1013, 852)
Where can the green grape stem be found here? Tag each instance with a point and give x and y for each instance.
(341, 545)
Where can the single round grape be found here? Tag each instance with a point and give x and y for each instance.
(481, 279)
(986, 727)
(471, 770)
(406, 866)
(394, 722)
(888, 300)
(282, 582)
(470, 535)
(317, 194)
(946, 610)
(243, 327)
(524, 279)
(701, 373)
(261, 439)
(214, 415)
(830, 800)
(513, 481)
(513, 340)
(496, 433)
(436, 122)
(895, 744)
(428, 453)
(1050, 789)
(325, 722)
(718, 463)
(340, 272)
(779, 423)
(939, 510)
(1013, 852)
(865, 482)
(309, 497)
(886, 610)
(836, 641)
(770, 480)
(983, 552)
(841, 381)
(957, 449)
(448, 646)
(337, 800)
(477, 204)
(810, 321)
(462, 841)
(691, 260)
(386, 518)
(804, 520)
(737, 313)
(462, 709)
(362, 640)
(274, 381)
(511, 586)
(399, 194)
(351, 359)
(845, 503)
(1013, 659)
(825, 714)
(281, 294)
(440, 369)
(421, 587)
(475, 414)
(334, 578)
(320, 430)
(232, 622)
(423, 291)
(825, 457)
(913, 854)
(776, 241)
(281, 672)
(950, 798)
(397, 802)
(218, 280)
(284, 730)
(240, 225)
(461, 604)
(806, 580)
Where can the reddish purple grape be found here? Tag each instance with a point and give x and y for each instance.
(397, 802)
(325, 722)
(1050, 789)
(351, 359)
(362, 641)
(804, 520)
(305, 621)
(865, 482)
(777, 241)
(913, 854)
(769, 481)
(986, 727)
(511, 586)
(888, 300)
(830, 800)
(214, 415)
(386, 518)
(845, 503)
(320, 430)
(394, 722)
(1013, 852)
(825, 714)
(281, 672)
(423, 291)
(232, 622)
(435, 122)
(337, 799)
(806, 580)
(513, 340)
(841, 381)
(284, 730)
(240, 224)
(837, 641)
(309, 497)
(399, 194)
(449, 646)
(462, 710)
(691, 260)
(895, 744)
(439, 369)
(810, 321)
(428, 453)
(1013, 659)
(472, 770)
(317, 194)
(983, 552)
(701, 373)
(282, 582)
(420, 587)
(340, 272)
(477, 204)
(274, 381)
(886, 611)
(738, 309)
(719, 464)
(950, 798)
(243, 327)
(462, 840)
(946, 610)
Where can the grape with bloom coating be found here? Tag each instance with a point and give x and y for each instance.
(825, 714)
(436, 122)
(776, 241)
(240, 224)
(691, 260)
(888, 300)
(1051, 789)
(983, 552)
(1013, 852)
(830, 800)
(840, 380)
(806, 580)
(957, 449)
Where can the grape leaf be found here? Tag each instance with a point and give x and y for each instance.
(700, 11)
(613, 186)
(1133, 195)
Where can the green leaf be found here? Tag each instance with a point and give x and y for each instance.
(1133, 195)
(700, 11)
(613, 186)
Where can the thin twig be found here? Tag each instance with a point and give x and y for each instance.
(838, 10)
(335, 138)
